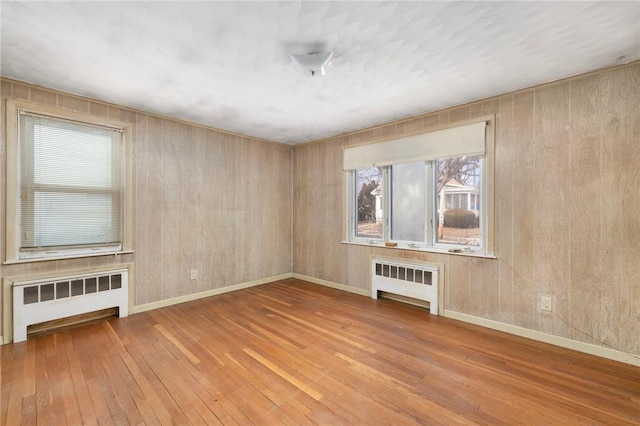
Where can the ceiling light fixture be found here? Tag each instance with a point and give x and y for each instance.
(317, 63)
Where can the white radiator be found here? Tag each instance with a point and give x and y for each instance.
(418, 280)
(64, 296)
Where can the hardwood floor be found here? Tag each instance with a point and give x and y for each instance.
(291, 352)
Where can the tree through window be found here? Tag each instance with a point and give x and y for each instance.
(368, 185)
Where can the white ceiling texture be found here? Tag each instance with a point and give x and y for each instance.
(227, 65)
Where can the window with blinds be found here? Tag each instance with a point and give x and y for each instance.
(71, 196)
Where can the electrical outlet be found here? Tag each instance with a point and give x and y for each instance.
(194, 274)
(546, 303)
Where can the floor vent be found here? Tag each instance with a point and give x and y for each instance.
(417, 280)
(42, 300)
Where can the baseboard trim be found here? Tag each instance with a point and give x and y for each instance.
(564, 342)
(337, 286)
(195, 296)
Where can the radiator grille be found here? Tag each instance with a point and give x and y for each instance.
(405, 273)
(417, 280)
(60, 289)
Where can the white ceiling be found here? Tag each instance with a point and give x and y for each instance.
(227, 65)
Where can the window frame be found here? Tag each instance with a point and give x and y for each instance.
(14, 252)
(487, 219)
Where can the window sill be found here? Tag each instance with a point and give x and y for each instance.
(50, 259)
(462, 252)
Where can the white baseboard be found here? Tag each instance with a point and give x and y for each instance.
(203, 294)
(355, 290)
(588, 348)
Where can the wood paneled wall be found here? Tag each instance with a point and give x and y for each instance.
(567, 203)
(203, 199)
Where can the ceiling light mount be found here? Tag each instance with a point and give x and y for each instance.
(315, 63)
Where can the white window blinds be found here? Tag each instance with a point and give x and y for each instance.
(70, 184)
(458, 141)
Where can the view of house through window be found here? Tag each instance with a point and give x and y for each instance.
(430, 203)
(458, 201)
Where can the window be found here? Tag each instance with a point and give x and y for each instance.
(408, 202)
(460, 185)
(368, 187)
(440, 202)
(71, 186)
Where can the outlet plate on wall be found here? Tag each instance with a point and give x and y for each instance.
(546, 303)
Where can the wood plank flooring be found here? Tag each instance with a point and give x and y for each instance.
(294, 353)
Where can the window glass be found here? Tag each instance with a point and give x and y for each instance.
(408, 210)
(458, 213)
(74, 155)
(368, 205)
(90, 216)
(71, 193)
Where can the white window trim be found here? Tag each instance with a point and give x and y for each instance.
(487, 248)
(12, 235)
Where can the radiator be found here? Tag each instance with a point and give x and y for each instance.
(64, 296)
(418, 280)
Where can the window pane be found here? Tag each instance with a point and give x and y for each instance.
(408, 215)
(75, 157)
(368, 212)
(69, 219)
(71, 189)
(458, 201)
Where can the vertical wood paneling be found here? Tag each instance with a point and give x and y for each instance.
(6, 90)
(567, 200)
(209, 241)
(551, 186)
(241, 211)
(615, 130)
(484, 290)
(524, 206)
(332, 221)
(99, 110)
(21, 91)
(257, 198)
(190, 208)
(311, 195)
(73, 103)
(153, 217)
(430, 121)
(142, 196)
(171, 181)
(359, 258)
(457, 291)
(584, 201)
(629, 223)
(505, 153)
(41, 96)
(285, 188)
(298, 207)
(414, 125)
(228, 207)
